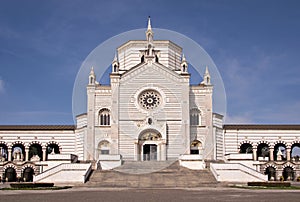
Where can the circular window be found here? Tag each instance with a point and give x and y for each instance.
(149, 99)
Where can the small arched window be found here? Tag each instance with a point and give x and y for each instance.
(195, 117)
(104, 117)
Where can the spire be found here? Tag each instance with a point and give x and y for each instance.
(206, 77)
(92, 77)
(183, 58)
(92, 71)
(115, 58)
(149, 33)
(184, 65)
(149, 23)
(115, 64)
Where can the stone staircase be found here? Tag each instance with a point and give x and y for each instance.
(143, 167)
(169, 177)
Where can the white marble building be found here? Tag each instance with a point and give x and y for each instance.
(149, 112)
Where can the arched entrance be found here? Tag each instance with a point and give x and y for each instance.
(103, 148)
(196, 147)
(288, 173)
(10, 175)
(271, 172)
(150, 142)
(28, 174)
(149, 152)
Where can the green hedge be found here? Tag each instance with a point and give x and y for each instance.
(270, 184)
(22, 185)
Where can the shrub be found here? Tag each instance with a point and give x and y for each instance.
(270, 184)
(23, 185)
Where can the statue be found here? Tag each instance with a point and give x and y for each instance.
(18, 156)
(35, 158)
(279, 155)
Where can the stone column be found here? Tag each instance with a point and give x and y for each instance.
(136, 153)
(163, 152)
(288, 154)
(26, 153)
(44, 153)
(142, 152)
(9, 153)
(254, 154)
(271, 154)
(158, 152)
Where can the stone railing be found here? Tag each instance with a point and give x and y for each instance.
(109, 157)
(214, 167)
(214, 172)
(60, 167)
(191, 157)
(239, 156)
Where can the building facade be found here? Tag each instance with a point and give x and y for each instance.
(150, 112)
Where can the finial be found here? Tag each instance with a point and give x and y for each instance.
(149, 33)
(206, 77)
(92, 77)
(206, 70)
(92, 70)
(115, 58)
(149, 23)
(183, 58)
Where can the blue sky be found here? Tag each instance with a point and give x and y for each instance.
(255, 45)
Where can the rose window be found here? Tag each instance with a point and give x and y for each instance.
(149, 99)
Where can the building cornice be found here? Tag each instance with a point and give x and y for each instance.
(261, 127)
(36, 127)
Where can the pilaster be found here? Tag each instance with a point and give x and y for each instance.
(115, 85)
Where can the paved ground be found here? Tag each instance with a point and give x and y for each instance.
(145, 195)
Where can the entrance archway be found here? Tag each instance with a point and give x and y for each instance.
(271, 172)
(150, 146)
(28, 174)
(196, 147)
(288, 173)
(150, 152)
(10, 175)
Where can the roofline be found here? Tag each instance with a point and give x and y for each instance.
(37, 127)
(145, 41)
(261, 127)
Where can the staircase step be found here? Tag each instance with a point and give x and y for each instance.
(171, 176)
(143, 167)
